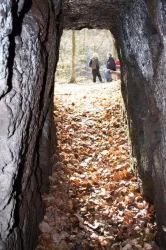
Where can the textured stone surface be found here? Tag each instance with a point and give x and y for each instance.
(135, 41)
(141, 42)
(91, 14)
(27, 66)
(5, 31)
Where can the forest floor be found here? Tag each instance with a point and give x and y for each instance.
(94, 202)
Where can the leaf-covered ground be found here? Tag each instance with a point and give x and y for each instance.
(94, 201)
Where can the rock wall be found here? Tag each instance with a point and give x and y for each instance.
(141, 41)
(30, 33)
(91, 14)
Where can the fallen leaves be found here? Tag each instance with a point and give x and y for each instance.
(94, 201)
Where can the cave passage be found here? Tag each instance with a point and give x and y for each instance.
(29, 50)
(94, 200)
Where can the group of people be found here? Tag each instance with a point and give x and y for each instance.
(94, 64)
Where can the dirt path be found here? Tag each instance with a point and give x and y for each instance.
(94, 201)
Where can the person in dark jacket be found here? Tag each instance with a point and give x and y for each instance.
(111, 66)
(94, 64)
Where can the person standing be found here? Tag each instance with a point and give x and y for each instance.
(111, 66)
(94, 64)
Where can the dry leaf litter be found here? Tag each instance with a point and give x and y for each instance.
(94, 201)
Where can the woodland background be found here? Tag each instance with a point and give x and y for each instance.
(76, 50)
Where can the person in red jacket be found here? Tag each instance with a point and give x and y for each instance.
(117, 65)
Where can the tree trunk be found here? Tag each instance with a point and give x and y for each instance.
(73, 75)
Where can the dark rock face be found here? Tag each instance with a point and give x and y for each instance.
(91, 14)
(141, 42)
(30, 33)
(137, 42)
(30, 36)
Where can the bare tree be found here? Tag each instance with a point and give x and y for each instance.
(73, 74)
